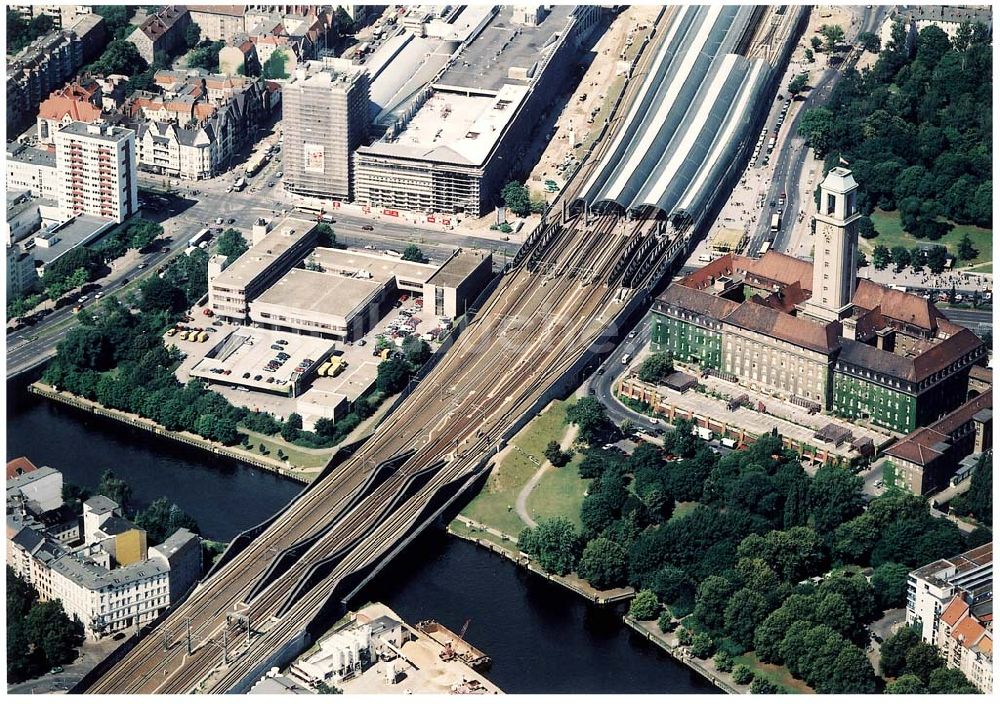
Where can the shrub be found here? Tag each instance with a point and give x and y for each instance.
(742, 674)
(645, 606)
(723, 661)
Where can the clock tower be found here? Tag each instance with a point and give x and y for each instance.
(835, 249)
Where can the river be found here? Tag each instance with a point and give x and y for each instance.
(542, 639)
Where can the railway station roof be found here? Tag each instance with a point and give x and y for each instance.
(683, 130)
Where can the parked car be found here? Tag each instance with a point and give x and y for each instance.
(230, 221)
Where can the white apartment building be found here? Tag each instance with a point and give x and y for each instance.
(931, 588)
(97, 171)
(965, 639)
(33, 170)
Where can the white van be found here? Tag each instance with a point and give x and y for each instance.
(625, 358)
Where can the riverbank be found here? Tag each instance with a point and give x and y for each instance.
(495, 541)
(669, 642)
(286, 470)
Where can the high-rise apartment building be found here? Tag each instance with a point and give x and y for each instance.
(325, 117)
(96, 166)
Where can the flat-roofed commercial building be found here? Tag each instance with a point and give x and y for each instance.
(454, 287)
(453, 145)
(271, 255)
(97, 171)
(325, 118)
(341, 295)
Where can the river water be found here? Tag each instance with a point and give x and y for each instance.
(541, 638)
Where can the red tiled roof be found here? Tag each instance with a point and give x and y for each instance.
(232, 10)
(963, 414)
(781, 268)
(56, 107)
(981, 373)
(917, 447)
(968, 632)
(898, 305)
(697, 301)
(782, 326)
(19, 466)
(954, 611)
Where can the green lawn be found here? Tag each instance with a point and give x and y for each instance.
(559, 493)
(891, 234)
(778, 674)
(683, 508)
(494, 506)
(296, 455)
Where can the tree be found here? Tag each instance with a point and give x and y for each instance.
(710, 603)
(417, 351)
(906, 684)
(815, 42)
(742, 674)
(274, 67)
(392, 376)
(866, 228)
(656, 366)
(798, 84)
(517, 199)
(589, 415)
(745, 612)
(231, 242)
(816, 125)
(892, 656)
(21, 596)
(161, 519)
(325, 236)
(852, 673)
(323, 687)
(834, 497)
(936, 258)
(922, 659)
(555, 455)
(53, 632)
(870, 42)
(978, 500)
(900, 257)
(762, 685)
(881, 257)
(834, 35)
(413, 253)
(810, 57)
(603, 564)
(702, 646)
(192, 35)
(85, 348)
(292, 427)
(723, 661)
(793, 554)
(206, 56)
(159, 294)
(115, 488)
(966, 250)
(945, 680)
(142, 233)
(121, 56)
(645, 606)
(889, 583)
(554, 543)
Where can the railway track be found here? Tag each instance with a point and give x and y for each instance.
(530, 332)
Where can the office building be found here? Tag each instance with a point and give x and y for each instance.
(97, 171)
(452, 146)
(325, 118)
(21, 275)
(32, 170)
(273, 252)
(812, 333)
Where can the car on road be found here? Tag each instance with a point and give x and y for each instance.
(258, 377)
(632, 334)
(124, 280)
(279, 174)
(141, 266)
(270, 184)
(218, 221)
(119, 636)
(81, 299)
(165, 250)
(98, 295)
(230, 221)
(55, 670)
(773, 204)
(367, 228)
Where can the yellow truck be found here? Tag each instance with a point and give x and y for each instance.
(202, 336)
(336, 368)
(323, 369)
(183, 335)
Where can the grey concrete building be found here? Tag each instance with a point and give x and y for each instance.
(325, 118)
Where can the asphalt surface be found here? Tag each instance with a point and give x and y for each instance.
(195, 206)
(792, 150)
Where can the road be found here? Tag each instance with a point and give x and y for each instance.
(792, 151)
(197, 206)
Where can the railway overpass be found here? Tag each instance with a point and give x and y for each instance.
(561, 306)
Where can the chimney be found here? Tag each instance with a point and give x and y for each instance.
(886, 339)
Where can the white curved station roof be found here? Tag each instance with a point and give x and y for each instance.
(684, 129)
